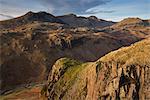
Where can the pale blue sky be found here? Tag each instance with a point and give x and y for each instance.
(114, 10)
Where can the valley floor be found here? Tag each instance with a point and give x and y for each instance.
(32, 93)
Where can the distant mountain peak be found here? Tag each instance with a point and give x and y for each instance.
(29, 13)
(31, 17)
(70, 15)
(93, 17)
(41, 13)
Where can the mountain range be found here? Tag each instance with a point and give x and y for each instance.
(32, 43)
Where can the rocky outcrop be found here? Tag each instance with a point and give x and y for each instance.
(106, 79)
(117, 81)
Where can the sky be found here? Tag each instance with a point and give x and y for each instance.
(114, 10)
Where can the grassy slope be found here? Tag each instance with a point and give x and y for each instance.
(137, 53)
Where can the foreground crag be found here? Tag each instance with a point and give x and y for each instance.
(120, 75)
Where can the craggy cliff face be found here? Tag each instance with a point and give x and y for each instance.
(120, 75)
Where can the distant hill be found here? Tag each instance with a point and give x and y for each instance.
(129, 26)
(132, 22)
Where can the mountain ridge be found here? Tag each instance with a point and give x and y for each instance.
(33, 46)
(47, 17)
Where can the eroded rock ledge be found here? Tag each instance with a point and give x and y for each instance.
(99, 81)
